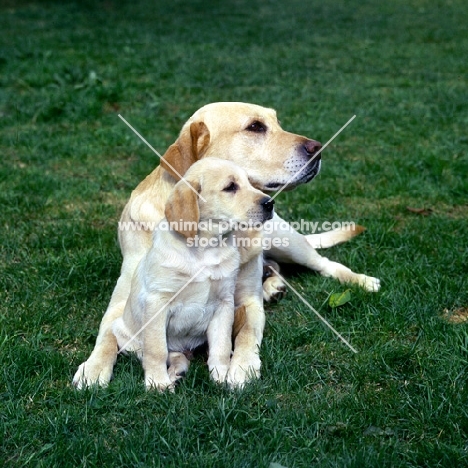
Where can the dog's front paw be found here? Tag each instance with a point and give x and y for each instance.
(242, 371)
(90, 374)
(369, 283)
(159, 383)
(274, 289)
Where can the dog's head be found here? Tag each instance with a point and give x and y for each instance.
(250, 136)
(219, 191)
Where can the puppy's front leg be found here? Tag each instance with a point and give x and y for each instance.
(154, 343)
(249, 323)
(219, 336)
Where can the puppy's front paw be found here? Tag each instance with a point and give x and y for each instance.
(90, 374)
(161, 384)
(242, 371)
(219, 373)
(273, 289)
(369, 283)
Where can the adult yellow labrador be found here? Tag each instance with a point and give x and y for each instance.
(250, 136)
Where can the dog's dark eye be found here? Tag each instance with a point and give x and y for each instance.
(232, 187)
(257, 127)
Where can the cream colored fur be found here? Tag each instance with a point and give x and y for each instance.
(251, 137)
(164, 316)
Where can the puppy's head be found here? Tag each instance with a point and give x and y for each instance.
(250, 136)
(218, 191)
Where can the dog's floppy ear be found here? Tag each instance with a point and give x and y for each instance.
(189, 148)
(182, 209)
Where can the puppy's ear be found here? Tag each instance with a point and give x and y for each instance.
(189, 148)
(182, 209)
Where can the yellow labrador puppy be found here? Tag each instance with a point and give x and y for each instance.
(250, 136)
(182, 293)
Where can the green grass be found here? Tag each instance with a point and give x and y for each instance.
(69, 164)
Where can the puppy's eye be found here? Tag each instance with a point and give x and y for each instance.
(257, 127)
(232, 187)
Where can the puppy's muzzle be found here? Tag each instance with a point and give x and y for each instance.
(267, 204)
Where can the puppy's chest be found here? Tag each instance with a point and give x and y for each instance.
(188, 320)
(213, 264)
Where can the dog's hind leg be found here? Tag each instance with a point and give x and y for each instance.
(274, 288)
(299, 250)
(178, 365)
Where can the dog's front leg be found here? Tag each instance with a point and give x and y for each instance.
(97, 369)
(154, 343)
(249, 323)
(219, 336)
(292, 247)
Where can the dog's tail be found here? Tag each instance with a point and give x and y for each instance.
(331, 238)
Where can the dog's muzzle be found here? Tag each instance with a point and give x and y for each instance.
(311, 148)
(303, 169)
(311, 170)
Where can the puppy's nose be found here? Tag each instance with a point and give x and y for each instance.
(312, 146)
(267, 204)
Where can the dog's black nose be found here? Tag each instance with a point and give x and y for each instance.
(312, 146)
(267, 204)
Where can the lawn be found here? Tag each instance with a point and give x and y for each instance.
(68, 165)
